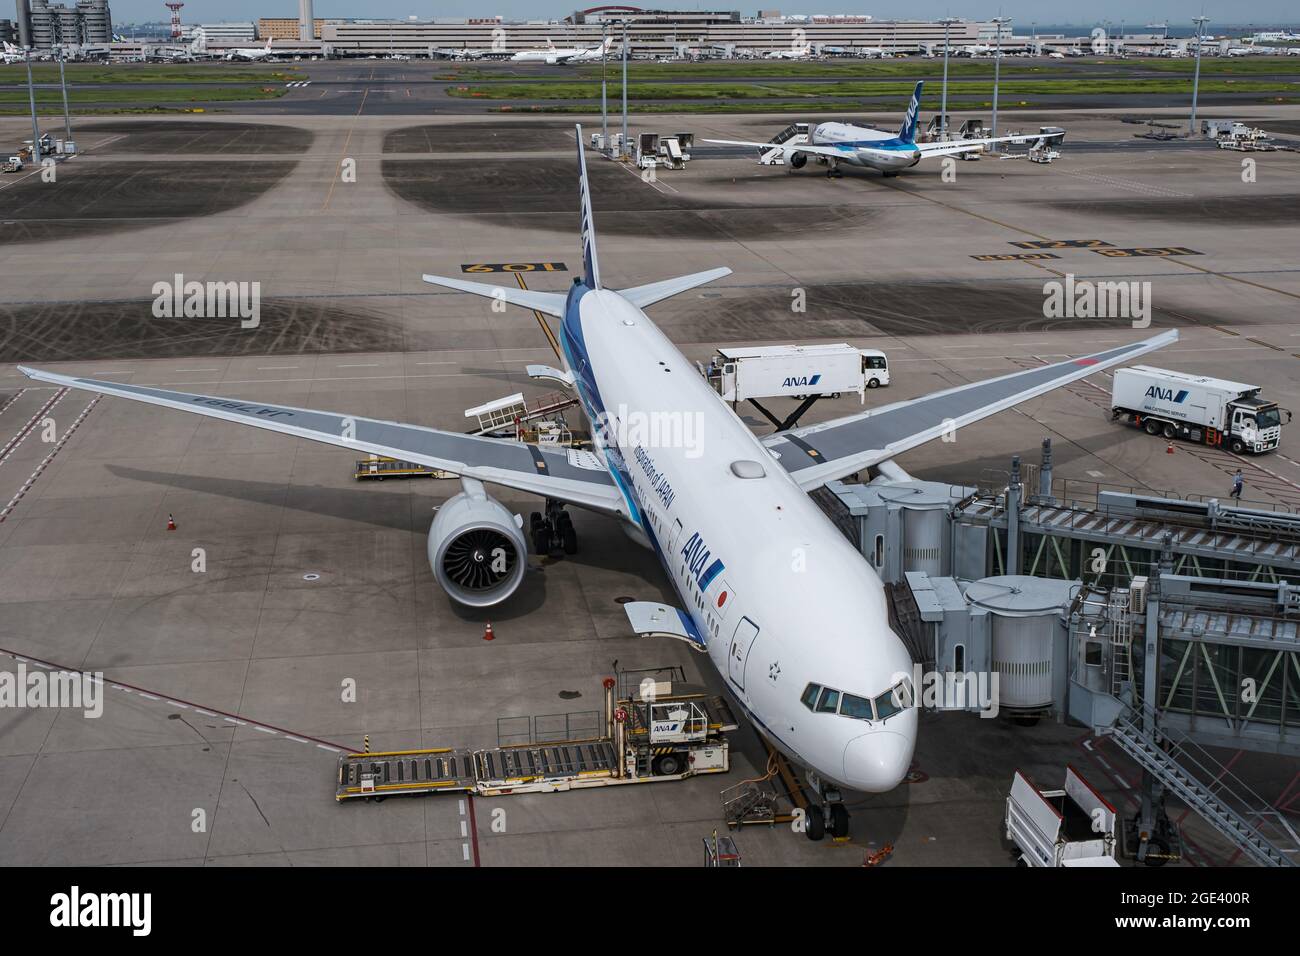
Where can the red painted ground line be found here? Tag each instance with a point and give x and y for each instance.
(31, 479)
(13, 398)
(473, 827)
(31, 423)
(203, 709)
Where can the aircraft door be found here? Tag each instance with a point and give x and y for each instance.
(741, 642)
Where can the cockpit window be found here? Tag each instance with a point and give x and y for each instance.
(809, 697)
(886, 706)
(858, 707)
(894, 700)
(829, 701)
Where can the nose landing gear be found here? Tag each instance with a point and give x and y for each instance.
(831, 816)
(553, 534)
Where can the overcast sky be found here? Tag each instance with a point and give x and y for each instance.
(1023, 11)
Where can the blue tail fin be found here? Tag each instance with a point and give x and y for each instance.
(907, 132)
(590, 268)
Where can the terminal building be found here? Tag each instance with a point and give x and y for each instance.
(653, 33)
(43, 25)
(223, 34)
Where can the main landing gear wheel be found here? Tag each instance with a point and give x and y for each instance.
(553, 533)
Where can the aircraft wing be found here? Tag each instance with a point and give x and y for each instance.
(969, 145)
(551, 303)
(798, 148)
(544, 472)
(816, 454)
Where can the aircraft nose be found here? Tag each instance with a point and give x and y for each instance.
(878, 761)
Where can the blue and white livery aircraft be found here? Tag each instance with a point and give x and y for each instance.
(833, 143)
(792, 617)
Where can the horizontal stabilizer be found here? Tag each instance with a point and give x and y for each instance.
(644, 295)
(649, 619)
(551, 303)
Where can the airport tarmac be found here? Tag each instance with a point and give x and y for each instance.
(229, 682)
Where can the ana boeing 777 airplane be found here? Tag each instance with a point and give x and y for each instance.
(787, 610)
(833, 143)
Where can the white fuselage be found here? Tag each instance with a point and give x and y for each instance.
(552, 57)
(872, 148)
(781, 597)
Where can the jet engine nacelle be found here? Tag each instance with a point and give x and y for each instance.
(476, 547)
(798, 160)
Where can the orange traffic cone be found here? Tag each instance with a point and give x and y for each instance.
(1169, 449)
(487, 634)
(171, 523)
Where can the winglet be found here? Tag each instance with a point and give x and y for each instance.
(590, 267)
(907, 132)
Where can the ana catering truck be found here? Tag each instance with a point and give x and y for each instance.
(1197, 408)
(794, 371)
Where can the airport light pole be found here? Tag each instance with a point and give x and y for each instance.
(622, 148)
(67, 122)
(31, 96)
(943, 106)
(997, 69)
(1196, 77)
(604, 102)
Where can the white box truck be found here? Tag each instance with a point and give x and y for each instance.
(1197, 408)
(795, 371)
(1072, 827)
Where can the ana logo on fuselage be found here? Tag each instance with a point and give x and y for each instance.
(703, 566)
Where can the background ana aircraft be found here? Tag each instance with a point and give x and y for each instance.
(834, 143)
(787, 610)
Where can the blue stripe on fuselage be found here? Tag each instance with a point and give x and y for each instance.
(889, 145)
(574, 345)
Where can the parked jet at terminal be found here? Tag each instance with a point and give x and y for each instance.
(554, 55)
(834, 143)
(787, 610)
(250, 53)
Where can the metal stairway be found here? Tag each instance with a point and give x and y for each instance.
(793, 135)
(1178, 766)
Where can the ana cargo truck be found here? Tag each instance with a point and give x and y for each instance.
(1197, 408)
(796, 371)
(1073, 827)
